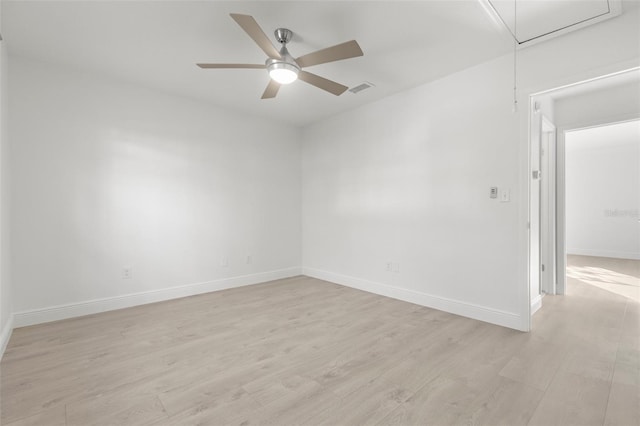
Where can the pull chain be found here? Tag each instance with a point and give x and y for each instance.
(515, 55)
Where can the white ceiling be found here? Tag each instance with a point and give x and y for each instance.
(157, 43)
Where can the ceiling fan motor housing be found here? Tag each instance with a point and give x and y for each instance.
(286, 61)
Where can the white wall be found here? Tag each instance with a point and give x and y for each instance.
(407, 179)
(6, 306)
(586, 109)
(603, 191)
(108, 175)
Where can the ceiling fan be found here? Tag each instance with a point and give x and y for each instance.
(282, 67)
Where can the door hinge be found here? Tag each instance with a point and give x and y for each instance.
(542, 267)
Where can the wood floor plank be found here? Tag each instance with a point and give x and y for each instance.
(116, 410)
(299, 408)
(52, 417)
(504, 402)
(304, 351)
(535, 364)
(629, 349)
(366, 406)
(623, 407)
(572, 400)
(442, 401)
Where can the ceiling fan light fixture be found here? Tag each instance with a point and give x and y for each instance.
(284, 68)
(283, 72)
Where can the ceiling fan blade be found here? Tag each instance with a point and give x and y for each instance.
(350, 49)
(272, 90)
(322, 83)
(251, 27)
(250, 66)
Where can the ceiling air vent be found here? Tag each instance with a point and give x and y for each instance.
(360, 87)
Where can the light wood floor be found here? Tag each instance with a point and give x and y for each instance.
(303, 351)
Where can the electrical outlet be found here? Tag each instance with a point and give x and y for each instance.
(127, 273)
(389, 266)
(249, 259)
(224, 261)
(396, 268)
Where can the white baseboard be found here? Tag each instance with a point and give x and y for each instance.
(493, 316)
(536, 304)
(604, 253)
(55, 313)
(6, 335)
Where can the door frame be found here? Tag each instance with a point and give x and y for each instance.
(533, 225)
(548, 241)
(540, 247)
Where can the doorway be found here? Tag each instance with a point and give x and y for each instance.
(602, 197)
(554, 115)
